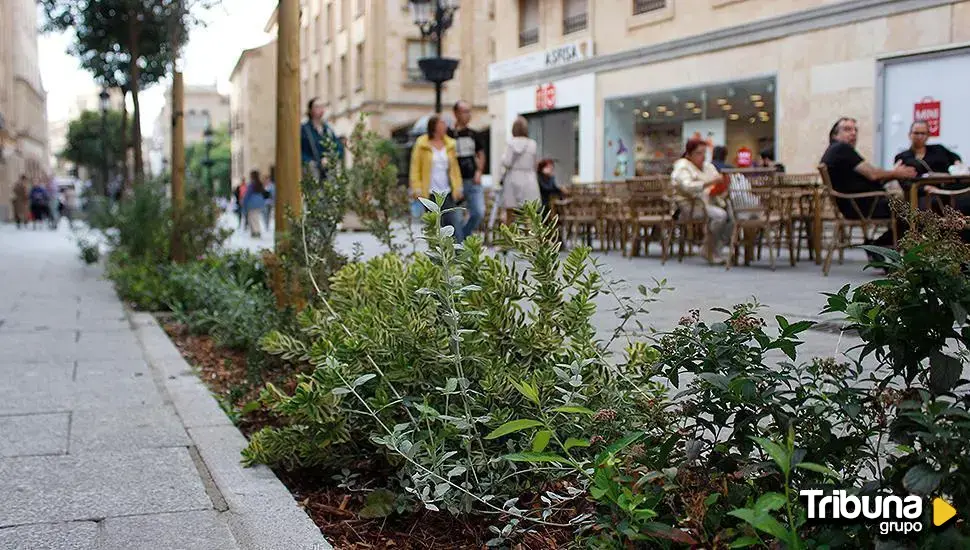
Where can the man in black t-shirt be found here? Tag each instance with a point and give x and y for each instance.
(850, 173)
(471, 162)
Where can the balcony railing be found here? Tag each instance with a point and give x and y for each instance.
(574, 23)
(644, 6)
(528, 37)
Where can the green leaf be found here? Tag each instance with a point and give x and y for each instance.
(762, 522)
(922, 480)
(776, 452)
(574, 442)
(536, 457)
(627, 440)
(363, 379)
(711, 499)
(528, 390)
(819, 468)
(744, 542)
(512, 427)
(945, 372)
(574, 409)
(541, 441)
(250, 407)
(379, 504)
(769, 502)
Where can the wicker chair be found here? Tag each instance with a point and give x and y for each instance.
(651, 218)
(844, 227)
(803, 190)
(763, 211)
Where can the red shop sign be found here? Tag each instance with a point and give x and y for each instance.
(743, 158)
(545, 97)
(928, 110)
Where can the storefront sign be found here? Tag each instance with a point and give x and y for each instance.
(545, 97)
(928, 110)
(566, 54)
(743, 158)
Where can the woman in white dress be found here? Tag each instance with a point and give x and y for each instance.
(518, 175)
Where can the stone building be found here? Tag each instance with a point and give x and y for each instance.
(204, 105)
(24, 146)
(252, 104)
(361, 56)
(613, 88)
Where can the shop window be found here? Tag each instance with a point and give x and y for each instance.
(646, 6)
(416, 50)
(528, 22)
(575, 15)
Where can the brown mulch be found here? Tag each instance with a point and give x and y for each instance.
(334, 509)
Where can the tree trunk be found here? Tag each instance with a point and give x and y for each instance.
(125, 180)
(134, 33)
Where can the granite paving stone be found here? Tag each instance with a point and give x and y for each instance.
(202, 530)
(74, 535)
(94, 486)
(34, 434)
(99, 430)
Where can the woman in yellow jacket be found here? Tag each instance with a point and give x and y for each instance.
(434, 169)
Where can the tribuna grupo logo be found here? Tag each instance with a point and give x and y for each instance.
(895, 514)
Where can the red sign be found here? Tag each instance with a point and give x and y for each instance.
(545, 97)
(928, 110)
(743, 158)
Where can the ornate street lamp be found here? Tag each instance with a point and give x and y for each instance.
(434, 18)
(105, 98)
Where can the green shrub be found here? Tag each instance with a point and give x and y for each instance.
(424, 368)
(141, 283)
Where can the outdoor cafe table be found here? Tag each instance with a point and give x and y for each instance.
(939, 180)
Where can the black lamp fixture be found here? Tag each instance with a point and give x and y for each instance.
(105, 98)
(434, 18)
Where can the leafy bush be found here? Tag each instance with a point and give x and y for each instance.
(422, 369)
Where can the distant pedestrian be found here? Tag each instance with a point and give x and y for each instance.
(434, 170)
(21, 202)
(270, 195)
(317, 140)
(54, 203)
(39, 204)
(471, 162)
(69, 204)
(254, 203)
(239, 194)
(546, 174)
(519, 182)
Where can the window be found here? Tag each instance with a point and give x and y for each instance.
(344, 76)
(528, 22)
(574, 16)
(644, 6)
(360, 67)
(329, 22)
(361, 5)
(416, 50)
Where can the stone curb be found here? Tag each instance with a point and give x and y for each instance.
(262, 514)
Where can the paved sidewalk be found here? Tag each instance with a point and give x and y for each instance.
(92, 453)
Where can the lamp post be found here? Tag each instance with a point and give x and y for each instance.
(434, 18)
(207, 138)
(105, 103)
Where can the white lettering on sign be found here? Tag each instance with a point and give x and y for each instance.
(559, 56)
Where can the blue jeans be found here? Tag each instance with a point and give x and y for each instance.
(452, 218)
(475, 204)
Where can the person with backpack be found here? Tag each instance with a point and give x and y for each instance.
(254, 203)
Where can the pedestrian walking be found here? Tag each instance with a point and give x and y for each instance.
(519, 182)
(69, 202)
(434, 170)
(470, 151)
(270, 195)
(317, 140)
(239, 194)
(54, 203)
(39, 204)
(21, 202)
(254, 203)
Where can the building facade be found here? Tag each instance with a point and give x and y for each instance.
(613, 88)
(24, 148)
(252, 105)
(203, 105)
(361, 56)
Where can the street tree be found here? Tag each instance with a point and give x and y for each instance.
(89, 139)
(220, 156)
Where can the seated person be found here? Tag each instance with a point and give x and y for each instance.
(850, 173)
(768, 160)
(923, 158)
(694, 178)
(719, 158)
